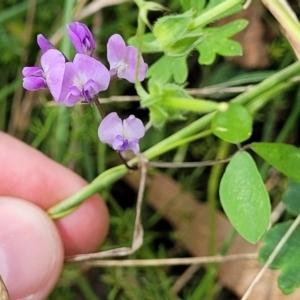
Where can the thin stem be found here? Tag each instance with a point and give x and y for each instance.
(213, 187)
(110, 176)
(214, 13)
(167, 261)
(99, 107)
(187, 164)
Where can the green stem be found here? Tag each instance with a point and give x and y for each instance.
(85, 288)
(139, 35)
(269, 83)
(284, 15)
(214, 13)
(198, 105)
(111, 175)
(63, 113)
(213, 188)
(67, 18)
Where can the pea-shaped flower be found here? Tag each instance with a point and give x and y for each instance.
(48, 75)
(123, 60)
(81, 37)
(83, 78)
(121, 135)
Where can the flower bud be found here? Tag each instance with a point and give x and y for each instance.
(174, 35)
(81, 38)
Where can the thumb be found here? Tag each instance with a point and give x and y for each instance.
(31, 251)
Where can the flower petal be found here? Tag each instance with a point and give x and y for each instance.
(87, 68)
(73, 97)
(133, 128)
(51, 58)
(66, 91)
(134, 146)
(81, 37)
(131, 56)
(119, 144)
(116, 50)
(54, 79)
(90, 89)
(33, 83)
(32, 71)
(110, 127)
(44, 43)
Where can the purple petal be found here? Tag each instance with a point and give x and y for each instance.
(64, 93)
(120, 144)
(81, 37)
(128, 73)
(134, 146)
(116, 50)
(90, 89)
(73, 97)
(33, 79)
(87, 68)
(132, 54)
(53, 64)
(123, 60)
(32, 71)
(52, 58)
(110, 127)
(44, 43)
(133, 128)
(34, 83)
(54, 79)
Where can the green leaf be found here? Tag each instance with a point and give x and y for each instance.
(154, 101)
(291, 198)
(174, 35)
(233, 124)
(168, 67)
(285, 158)
(198, 5)
(288, 259)
(217, 42)
(244, 197)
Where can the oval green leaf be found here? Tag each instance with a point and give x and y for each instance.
(244, 198)
(233, 124)
(285, 158)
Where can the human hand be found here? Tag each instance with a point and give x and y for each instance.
(32, 246)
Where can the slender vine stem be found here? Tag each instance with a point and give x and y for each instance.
(111, 175)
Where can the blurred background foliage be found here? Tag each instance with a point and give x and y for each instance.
(69, 135)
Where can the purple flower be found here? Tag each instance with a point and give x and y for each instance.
(123, 60)
(82, 80)
(44, 44)
(35, 78)
(121, 135)
(81, 37)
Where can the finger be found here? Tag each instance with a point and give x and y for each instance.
(31, 250)
(30, 175)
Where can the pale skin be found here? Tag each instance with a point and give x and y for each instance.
(32, 246)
